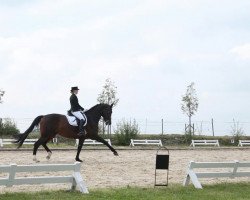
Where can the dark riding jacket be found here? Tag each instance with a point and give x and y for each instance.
(74, 104)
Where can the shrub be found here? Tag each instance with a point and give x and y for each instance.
(188, 137)
(8, 128)
(237, 131)
(126, 131)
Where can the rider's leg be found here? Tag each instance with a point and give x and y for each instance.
(79, 116)
(81, 127)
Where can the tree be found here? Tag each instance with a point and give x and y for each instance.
(1, 95)
(190, 103)
(108, 96)
(8, 128)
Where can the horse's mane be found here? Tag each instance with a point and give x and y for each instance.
(94, 107)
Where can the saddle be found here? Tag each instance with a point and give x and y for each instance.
(73, 121)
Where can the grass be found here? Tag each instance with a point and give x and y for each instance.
(232, 191)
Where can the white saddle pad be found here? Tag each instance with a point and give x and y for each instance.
(73, 122)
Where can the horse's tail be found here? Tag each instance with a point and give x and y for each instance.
(21, 137)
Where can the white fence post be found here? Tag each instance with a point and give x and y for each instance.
(78, 181)
(235, 169)
(11, 175)
(131, 143)
(192, 176)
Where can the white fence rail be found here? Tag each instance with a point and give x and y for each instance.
(92, 142)
(243, 142)
(234, 172)
(205, 143)
(75, 179)
(26, 141)
(145, 142)
(10, 141)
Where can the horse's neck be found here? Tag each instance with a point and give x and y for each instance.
(94, 113)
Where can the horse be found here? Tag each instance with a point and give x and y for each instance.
(53, 124)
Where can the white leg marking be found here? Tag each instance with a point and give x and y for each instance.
(34, 159)
(49, 155)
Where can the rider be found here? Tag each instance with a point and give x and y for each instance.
(76, 109)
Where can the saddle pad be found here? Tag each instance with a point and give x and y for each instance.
(72, 120)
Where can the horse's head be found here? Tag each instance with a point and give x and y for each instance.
(106, 113)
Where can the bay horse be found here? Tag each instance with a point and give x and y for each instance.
(53, 124)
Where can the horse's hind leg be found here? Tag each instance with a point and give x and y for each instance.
(48, 150)
(39, 142)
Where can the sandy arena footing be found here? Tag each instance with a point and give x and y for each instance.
(101, 169)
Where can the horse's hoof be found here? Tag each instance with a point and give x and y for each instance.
(78, 160)
(49, 155)
(116, 154)
(35, 160)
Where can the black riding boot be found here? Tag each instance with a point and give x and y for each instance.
(81, 128)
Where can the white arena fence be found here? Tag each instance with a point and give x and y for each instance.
(75, 179)
(27, 141)
(145, 142)
(92, 142)
(205, 143)
(243, 142)
(10, 141)
(238, 169)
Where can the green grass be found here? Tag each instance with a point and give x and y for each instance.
(224, 191)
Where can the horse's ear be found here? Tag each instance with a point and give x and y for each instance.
(111, 105)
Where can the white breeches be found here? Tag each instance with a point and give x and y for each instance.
(80, 115)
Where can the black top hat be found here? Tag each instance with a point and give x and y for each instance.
(74, 88)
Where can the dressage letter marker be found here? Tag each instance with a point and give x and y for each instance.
(162, 163)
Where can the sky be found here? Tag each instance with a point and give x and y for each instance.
(151, 49)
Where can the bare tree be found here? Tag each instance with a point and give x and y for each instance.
(108, 95)
(237, 130)
(1, 95)
(190, 103)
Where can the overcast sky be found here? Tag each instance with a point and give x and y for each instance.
(151, 49)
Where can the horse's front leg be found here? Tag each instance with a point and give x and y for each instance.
(100, 139)
(79, 148)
